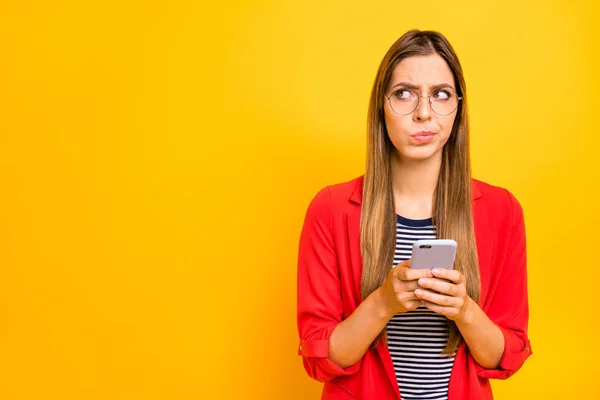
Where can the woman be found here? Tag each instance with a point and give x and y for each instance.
(370, 326)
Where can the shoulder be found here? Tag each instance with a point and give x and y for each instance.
(338, 194)
(497, 200)
(346, 191)
(331, 202)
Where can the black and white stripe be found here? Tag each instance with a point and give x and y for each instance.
(416, 338)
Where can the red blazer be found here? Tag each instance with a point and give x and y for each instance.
(329, 272)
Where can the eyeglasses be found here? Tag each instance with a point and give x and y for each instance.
(442, 101)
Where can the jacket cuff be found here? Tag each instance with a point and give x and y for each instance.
(313, 348)
(515, 353)
(315, 355)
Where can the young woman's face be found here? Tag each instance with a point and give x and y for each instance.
(421, 134)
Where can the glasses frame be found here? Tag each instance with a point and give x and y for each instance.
(389, 98)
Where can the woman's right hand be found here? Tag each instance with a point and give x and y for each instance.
(397, 293)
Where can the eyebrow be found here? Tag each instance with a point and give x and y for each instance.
(415, 87)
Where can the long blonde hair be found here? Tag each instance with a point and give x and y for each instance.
(452, 208)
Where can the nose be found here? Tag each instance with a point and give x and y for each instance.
(423, 111)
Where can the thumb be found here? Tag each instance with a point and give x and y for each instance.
(404, 264)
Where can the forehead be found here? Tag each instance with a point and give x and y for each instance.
(423, 71)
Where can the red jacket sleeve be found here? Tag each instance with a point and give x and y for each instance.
(509, 307)
(319, 291)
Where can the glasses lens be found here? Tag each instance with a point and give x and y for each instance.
(444, 102)
(403, 101)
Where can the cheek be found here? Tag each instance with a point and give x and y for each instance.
(446, 124)
(397, 127)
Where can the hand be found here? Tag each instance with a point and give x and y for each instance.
(446, 294)
(397, 293)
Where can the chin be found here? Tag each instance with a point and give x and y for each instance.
(421, 153)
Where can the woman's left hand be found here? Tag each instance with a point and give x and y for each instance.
(446, 294)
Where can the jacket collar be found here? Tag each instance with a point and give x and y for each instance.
(356, 196)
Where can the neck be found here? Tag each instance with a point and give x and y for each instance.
(414, 184)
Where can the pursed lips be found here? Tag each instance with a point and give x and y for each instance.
(423, 137)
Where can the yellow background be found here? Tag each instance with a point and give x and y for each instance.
(157, 159)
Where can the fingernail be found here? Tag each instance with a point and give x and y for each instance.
(423, 281)
(418, 292)
(436, 271)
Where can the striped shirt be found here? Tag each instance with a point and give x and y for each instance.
(416, 338)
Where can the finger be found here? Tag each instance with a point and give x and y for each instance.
(405, 263)
(409, 286)
(439, 285)
(448, 312)
(410, 274)
(450, 274)
(407, 297)
(437, 298)
(413, 305)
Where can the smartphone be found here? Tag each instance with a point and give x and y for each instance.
(435, 253)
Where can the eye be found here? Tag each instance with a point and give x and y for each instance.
(404, 94)
(442, 95)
